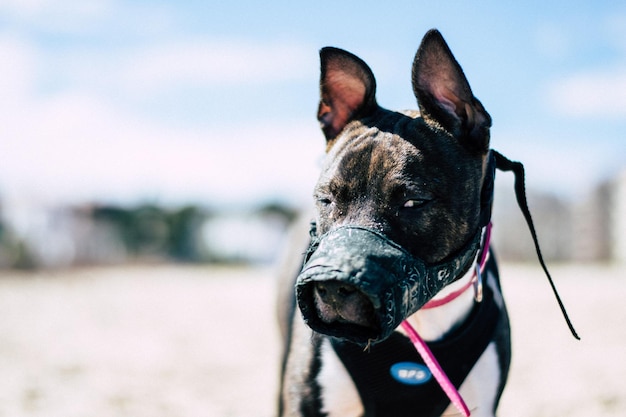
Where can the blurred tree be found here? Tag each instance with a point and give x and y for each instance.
(184, 237)
(279, 210)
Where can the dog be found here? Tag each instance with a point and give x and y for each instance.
(400, 235)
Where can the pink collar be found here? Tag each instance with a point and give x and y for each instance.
(423, 349)
(476, 280)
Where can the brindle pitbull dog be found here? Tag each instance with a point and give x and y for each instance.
(403, 203)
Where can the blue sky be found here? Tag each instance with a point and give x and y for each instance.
(215, 101)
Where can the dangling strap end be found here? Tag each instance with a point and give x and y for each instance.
(504, 164)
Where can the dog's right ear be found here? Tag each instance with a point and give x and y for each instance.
(347, 91)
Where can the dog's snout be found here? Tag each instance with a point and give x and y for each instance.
(340, 302)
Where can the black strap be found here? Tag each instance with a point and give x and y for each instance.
(487, 192)
(504, 164)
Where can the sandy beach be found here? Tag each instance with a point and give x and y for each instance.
(201, 341)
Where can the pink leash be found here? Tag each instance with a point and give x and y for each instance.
(435, 368)
(424, 351)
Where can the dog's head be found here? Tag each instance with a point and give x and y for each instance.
(401, 198)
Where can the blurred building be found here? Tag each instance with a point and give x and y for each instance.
(592, 229)
(618, 218)
(599, 223)
(552, 219)
(592, 219)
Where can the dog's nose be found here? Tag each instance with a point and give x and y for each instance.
(340, 302)
(332, 292)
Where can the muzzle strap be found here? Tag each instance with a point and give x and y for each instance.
(506, 165)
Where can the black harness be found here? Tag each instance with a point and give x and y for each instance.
(391, 377)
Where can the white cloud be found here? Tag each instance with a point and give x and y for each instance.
(599, 94)
(78, 144)
(141, 70)
(28, 8)
(80, 149)
(59, 16)
(205, 62)
(104, 22)
(17, 66)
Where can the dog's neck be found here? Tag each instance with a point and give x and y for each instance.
(433, 324)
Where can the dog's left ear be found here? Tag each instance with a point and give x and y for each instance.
(444, 95)
(347, 90)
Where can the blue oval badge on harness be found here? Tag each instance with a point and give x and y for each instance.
(410, 373)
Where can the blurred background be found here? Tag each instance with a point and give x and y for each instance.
(177, 140)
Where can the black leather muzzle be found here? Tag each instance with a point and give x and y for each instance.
(391, 283)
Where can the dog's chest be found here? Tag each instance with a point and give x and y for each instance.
(391, 380)
(340, 397)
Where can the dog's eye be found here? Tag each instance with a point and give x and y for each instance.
(325, 201)
(415, 203)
